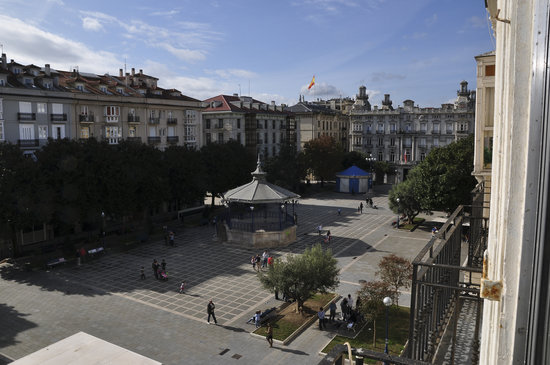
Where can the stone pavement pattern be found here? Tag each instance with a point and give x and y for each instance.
(106, 298)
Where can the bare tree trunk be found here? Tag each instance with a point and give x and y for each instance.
(374, 334)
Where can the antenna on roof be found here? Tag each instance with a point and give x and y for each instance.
(124, 65)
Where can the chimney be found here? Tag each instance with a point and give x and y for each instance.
(47, 69)
(273, 102)
(235, 95)
(141, 71)
(133, 71)
(4, 63)
(120, 72)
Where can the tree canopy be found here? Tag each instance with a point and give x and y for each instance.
(323, 156)
(301, 276)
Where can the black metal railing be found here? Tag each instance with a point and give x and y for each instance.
(26, 116)
(261, 219)
(153, 139)
(58, 117)
(172, 139)
(133, 118)
(28, 142)
(172, 121)
(442, 288)
(86, 118)
(339, 356)
(154, 120)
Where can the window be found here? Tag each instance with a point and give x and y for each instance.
(463, 126)
(423, 127)
(103, 89)
(41, 108)
(1, 130)
(58, 131)
(392, 127)
(1, 110)
(239, 137)
(265, 138)
(220, 123)
(80, 87)
(132, 131)
(407, 142)
(208, 138)
(84, 109)
(274, 140)
(42, 132)
(265, 124)
(422, 156)
(381, 127)
(25, 107)
(2, 82)
(422, 142)
(85, 132)
(281, 138)
(112, 134)
(408, 127)
(369, 128)
(392, 142)
(369, 141)
(220, 137)
(380, 142)
(207, 124)
(273, 126)
(120, 90)
(112, 113)
(436, 142)
(152, 131)
(380, 156)
(171, 131)
(238, 123)
(26, 131)
(392, 156)
(57, 108)
(436, 128)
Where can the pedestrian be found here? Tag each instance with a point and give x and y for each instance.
(321, 315)
(142, 273)
(258, 259)
(295, 216)
(339, 211)
(182, 287)
(155, 268)
(270, 261)
(434, 230)
(264, 259)
(171, 237)
(361, 207)
(163, 265)
(344, 308)
(210, 310)
(332, 308)
(320, 229)
(253, 262)
(257, 317)
(350, 304)
(328, 236)
(269, 335)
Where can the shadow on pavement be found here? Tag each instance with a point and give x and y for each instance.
(12, 322)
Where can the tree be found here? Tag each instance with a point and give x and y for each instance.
(444, 180)
(371, 304)
(185, 172)
(286, 169)
(227, 165)
(301, 276)
(323, 156)
(408, 204)
(396, 272)
(355, 158)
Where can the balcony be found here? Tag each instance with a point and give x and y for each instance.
(153, 140)
(111, 119)
(134, 139)
(422, 132)
(379, 132)
(172, 121)
(58, 117)
(450, 132)
(172, 139)
(407, 145)
(28, 143)
(154, 120)
(357, 132)
(85, 118)
(133, 118)
(393, 131)
(436, 132)
(26, 116)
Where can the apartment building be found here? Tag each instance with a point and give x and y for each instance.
(260, 127)
(316, 120)
(38, 103)
(404, 136)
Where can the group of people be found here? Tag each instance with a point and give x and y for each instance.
(259, 262)
(159, 270)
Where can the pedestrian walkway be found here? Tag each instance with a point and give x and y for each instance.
(106, 298)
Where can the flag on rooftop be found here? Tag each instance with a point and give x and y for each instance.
(311, 83)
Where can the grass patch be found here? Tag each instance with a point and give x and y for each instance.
(287, 320)
(398, 334)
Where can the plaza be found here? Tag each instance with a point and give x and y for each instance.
(106, 298)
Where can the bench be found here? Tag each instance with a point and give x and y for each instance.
(53, 262)
(96, 250)
(264, 316)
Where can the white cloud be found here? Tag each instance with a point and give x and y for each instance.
(321, 90)
(91, 24)
(165, 13)
(476, 22)
(431, 20)
(416, 35)
(183, 54)
(56, 2)
(232, 73)
(32, 45)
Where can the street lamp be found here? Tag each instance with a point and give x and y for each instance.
(370, 159)
(252, 212)
(387, 302)
(397, 225)
(281, 217)
(103, 228)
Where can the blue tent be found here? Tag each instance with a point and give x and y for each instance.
(353, 180)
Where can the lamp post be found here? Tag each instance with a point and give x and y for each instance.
(387, 302)
(281, 217)
(103, 228)
(370, 159)
(252, 212)
(397, 225)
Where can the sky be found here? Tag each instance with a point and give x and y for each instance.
(269, 49)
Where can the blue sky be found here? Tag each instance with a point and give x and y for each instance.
(269, 49)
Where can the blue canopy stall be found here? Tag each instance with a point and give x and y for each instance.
(353, 180)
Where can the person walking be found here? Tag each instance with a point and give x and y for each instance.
(320, 229)
(264, 259)
(332, 308)
(155, 268)
(339, 211)
(329, 236)
(321, 315)
(253, 262)
(171, 237)
(210, 310)
(142, 273)
(344, 308)
(257, 317)
(361, 207)
(182, 287)
(269, 335)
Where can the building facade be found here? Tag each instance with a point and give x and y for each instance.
(262, 128)
(315, 120)
(404, 136)
(41, 103)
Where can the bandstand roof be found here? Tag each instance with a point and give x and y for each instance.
(259, 191)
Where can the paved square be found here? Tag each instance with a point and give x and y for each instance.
(106, 297)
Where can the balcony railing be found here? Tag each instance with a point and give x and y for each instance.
(58, 117)
(28, 142)
(111, 119)
(445, 294)
(134, 139)
(436, 132)
(86, 118)
(154, 120)
(133, 118)
(379, 132)
(450, 132)
(153, 140)
(26, 116)
(172, 121)
(172, 139)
